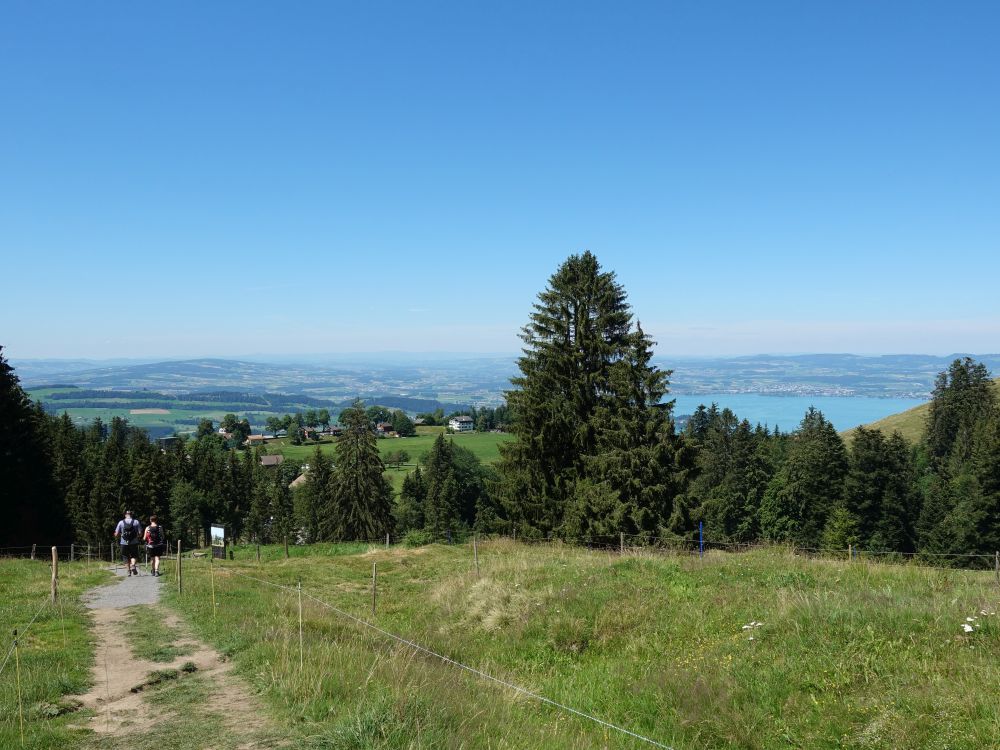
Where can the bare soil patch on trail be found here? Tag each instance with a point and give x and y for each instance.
(131, 693)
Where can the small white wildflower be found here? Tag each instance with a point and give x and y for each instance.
(970, 619)
(967, 627)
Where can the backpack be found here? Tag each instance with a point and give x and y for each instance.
(155, 535)
(129, 531)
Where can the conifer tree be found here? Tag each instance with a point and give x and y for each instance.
(733, 474)
(360, 492)
(315, 508)
(31, 506)
(894, 529)
(808, 486)
(409, 511)
(975, 518)
(282, 511)
(442, 509)
(867, 482)
(586, 406)
(962, 396)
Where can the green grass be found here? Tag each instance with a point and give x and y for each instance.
(88, 415)
(483, 444)
(151, 638)
(55, 652)
(858, 655)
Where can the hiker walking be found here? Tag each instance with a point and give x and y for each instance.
(156, 543)
(127, 533)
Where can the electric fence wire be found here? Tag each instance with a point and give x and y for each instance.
(20, 634)
(460, 665)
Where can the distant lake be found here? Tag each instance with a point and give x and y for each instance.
(786, 412)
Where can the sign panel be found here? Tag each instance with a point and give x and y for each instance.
(219, 541)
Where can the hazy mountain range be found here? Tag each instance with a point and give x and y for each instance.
(481, 379)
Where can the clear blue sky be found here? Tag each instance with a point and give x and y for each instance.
(193, 178)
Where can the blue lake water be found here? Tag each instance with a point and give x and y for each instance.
(786, 412)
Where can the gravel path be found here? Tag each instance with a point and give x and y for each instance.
(127, 591)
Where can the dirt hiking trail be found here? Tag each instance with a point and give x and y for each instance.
(128, 690)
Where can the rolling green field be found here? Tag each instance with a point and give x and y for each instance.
(182, 415)
(843, 655)
(83, 416)
(483, 444)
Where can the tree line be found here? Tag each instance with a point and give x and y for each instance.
(595, 453)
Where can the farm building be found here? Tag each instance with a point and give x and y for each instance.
(461, 424)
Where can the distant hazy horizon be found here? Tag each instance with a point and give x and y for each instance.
(376, 356)
(416, 355)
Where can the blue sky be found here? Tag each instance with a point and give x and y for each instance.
(223, 179)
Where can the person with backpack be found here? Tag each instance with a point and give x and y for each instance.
(156, 543)
(127, 532)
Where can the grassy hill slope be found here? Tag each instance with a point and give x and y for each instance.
(910, 423)
(843, 654)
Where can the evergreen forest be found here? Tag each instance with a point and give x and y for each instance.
(597, 454)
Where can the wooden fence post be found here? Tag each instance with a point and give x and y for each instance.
(301, 657)
(20, 699)
(55, 574)
(211, 570)
(374, 586)
(475, 552)
(621, 540)
(72, 552)
(996, 565)
(387, 540)
(180, 585)
(32, 551)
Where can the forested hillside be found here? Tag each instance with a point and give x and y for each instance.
(595, 454)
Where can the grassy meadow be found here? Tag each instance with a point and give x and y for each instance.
(55, 652)
(842, 654)
(482, 444)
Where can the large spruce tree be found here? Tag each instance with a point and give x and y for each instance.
(594, 440)
(361, 494)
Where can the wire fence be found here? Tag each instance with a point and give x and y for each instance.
(419, 648)
(21, 633)
(622, 542)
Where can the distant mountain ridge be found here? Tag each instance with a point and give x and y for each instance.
(482, 381)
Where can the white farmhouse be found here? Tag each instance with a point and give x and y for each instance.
(461, 424)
